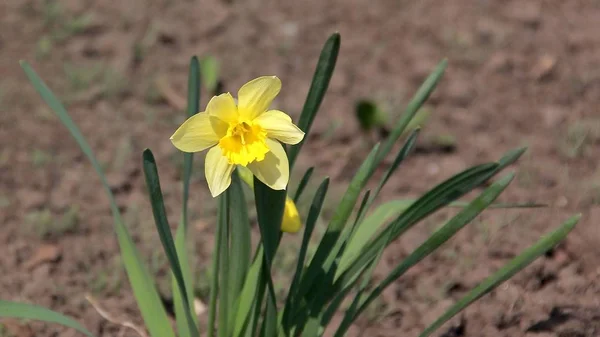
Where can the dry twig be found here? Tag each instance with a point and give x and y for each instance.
(111, 319)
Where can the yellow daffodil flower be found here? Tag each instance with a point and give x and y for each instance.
(246, 134)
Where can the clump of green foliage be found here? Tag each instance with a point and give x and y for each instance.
(243, 300)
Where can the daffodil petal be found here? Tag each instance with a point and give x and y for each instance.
(195, 134)
(255, 96)
(291, 222)
(274, 170)
(279, 126)
(223, 107)
(218, 171)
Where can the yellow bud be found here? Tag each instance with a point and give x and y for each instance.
(291, 222)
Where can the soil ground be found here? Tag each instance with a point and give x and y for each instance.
(520, 73)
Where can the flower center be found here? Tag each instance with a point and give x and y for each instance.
(240, 130)
(244, 143)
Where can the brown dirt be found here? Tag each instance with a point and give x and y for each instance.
(520, 73)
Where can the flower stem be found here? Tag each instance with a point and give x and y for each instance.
(214, 282)
(223, 223)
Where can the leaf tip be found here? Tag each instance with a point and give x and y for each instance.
(443, 64)
(147, 155)
(335, 38)
(509, 177)
(568, 225)
(575, 218)
(522, 149)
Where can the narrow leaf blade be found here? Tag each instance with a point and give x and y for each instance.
(149, 302)
(438, 197)
(302, 185)
(210, 73)
(193, 107)
(34, 312)
(269, 210)
(511, 268)
(413, 107)
(249, 295)
(317, 90)
(223, 222)
(311, 220)
(164, 232)
(442, 235)
(365, 229)
(409, 145)
(240, 250)
(215, 267)
(331, 243)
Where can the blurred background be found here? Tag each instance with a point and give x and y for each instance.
(521, 73)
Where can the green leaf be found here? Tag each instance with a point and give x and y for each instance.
(361, 210)
(220, 245)
(178, 303)
(34, 312)
(507, 271)
(303, 182)
(399, 129)
(395, 207)
(193, 96)
(510, 157)
(442, 235)
(249, 296)
(224, 222)
(257, 309)
(333, 306)
(419, 120)
(193, 107)
(438, 197)
(209, 67)
(322, 319)
(391, 209)
(144, 290)
(246, 175)
(317, 90)
(368, 227)
(331, 243)
(316, 285)
(270, 323)
(407, 148)
(413, 106)
(313, 216)
(365, 229)
(313, 327)
(240, 247)
(269, 211)
(164, 232)
(442, 195)
(369, 116)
